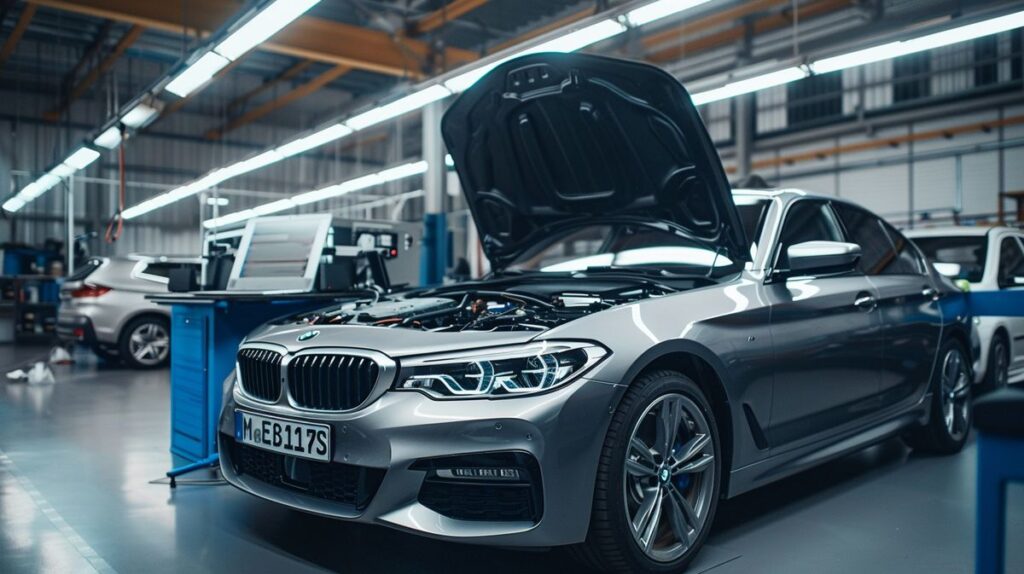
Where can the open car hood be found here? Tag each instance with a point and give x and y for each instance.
(549, 139)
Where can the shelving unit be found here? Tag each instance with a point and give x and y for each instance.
(28, 308)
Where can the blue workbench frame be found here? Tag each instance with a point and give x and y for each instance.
(205, 334)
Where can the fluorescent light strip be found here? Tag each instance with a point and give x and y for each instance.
(139, 116)
(920, 44)
(109, 139)
(82, 158)
(568, 43)
(660, 9)
(262, 26)
(363, 182)
(749, 85)
(399, 107)
(572, 41)
(197, 74)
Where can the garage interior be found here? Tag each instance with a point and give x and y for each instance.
(112, 152)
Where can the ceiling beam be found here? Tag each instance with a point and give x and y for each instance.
(308, 37)
(736, 33)
(12, 41)
(284, 76)
(451, 11)
(96, 72)
(88, 55)
(281, 101)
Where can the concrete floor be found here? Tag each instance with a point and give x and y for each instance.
(77, 458)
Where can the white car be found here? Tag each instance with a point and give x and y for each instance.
(990, 259)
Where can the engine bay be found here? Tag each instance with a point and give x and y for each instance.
(491, 306)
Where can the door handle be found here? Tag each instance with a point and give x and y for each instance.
(865, 302)
(930, 293)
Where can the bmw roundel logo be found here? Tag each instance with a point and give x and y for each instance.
(307, 336)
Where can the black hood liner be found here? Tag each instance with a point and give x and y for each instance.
(548, 139)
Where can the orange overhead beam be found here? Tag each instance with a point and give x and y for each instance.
(265, 108)
(445, 14)
(94, 74)
(308, 37)
(19, 29)
(894, 141)
(286, 75)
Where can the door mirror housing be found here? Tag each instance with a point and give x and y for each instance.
(822, 257)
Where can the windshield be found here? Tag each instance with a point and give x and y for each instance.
(957, 257)
(618, 245)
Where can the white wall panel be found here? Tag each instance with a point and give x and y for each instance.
(819, 184)
(935, 184)
(881, 189)
(980, 172)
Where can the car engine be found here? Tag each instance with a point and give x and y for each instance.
(484, 307)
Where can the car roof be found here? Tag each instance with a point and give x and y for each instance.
(956, 231)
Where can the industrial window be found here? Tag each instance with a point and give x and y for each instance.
(986, 61)
(814, 98)
(911, 77)
(1016, 57)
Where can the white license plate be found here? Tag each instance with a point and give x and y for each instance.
(285, 436)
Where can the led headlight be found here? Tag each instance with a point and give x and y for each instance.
(499, 372)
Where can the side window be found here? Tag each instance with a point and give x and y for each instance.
(807, 220)
(1011, 261)
(908, 260)
(884, 251)
(162, 270)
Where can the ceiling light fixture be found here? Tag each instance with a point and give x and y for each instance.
(362, 182)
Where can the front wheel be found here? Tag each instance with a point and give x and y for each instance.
(950, 420)
(658, 479)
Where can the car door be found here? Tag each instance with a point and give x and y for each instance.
(1011, 278)
(826, 336)
(907, 305)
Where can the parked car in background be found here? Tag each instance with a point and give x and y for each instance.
(649, 342)
(990, 259)
(104, 306)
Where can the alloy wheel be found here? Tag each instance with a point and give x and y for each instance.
(669, 477)
(149, 343)
(956, 391)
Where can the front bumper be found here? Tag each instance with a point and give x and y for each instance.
(387, 449)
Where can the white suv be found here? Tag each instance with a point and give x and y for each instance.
(104, 306)
(990, 259)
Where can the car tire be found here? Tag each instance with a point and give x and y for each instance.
(621, 494)
(951, 410)
(997, 372)
(145, 342)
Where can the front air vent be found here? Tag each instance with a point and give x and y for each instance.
(331, 382)
(260, 373)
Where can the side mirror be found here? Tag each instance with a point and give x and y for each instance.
(818, 257)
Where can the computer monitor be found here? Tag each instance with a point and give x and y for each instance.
(280, 253)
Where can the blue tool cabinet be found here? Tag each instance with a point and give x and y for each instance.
(205, 333)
